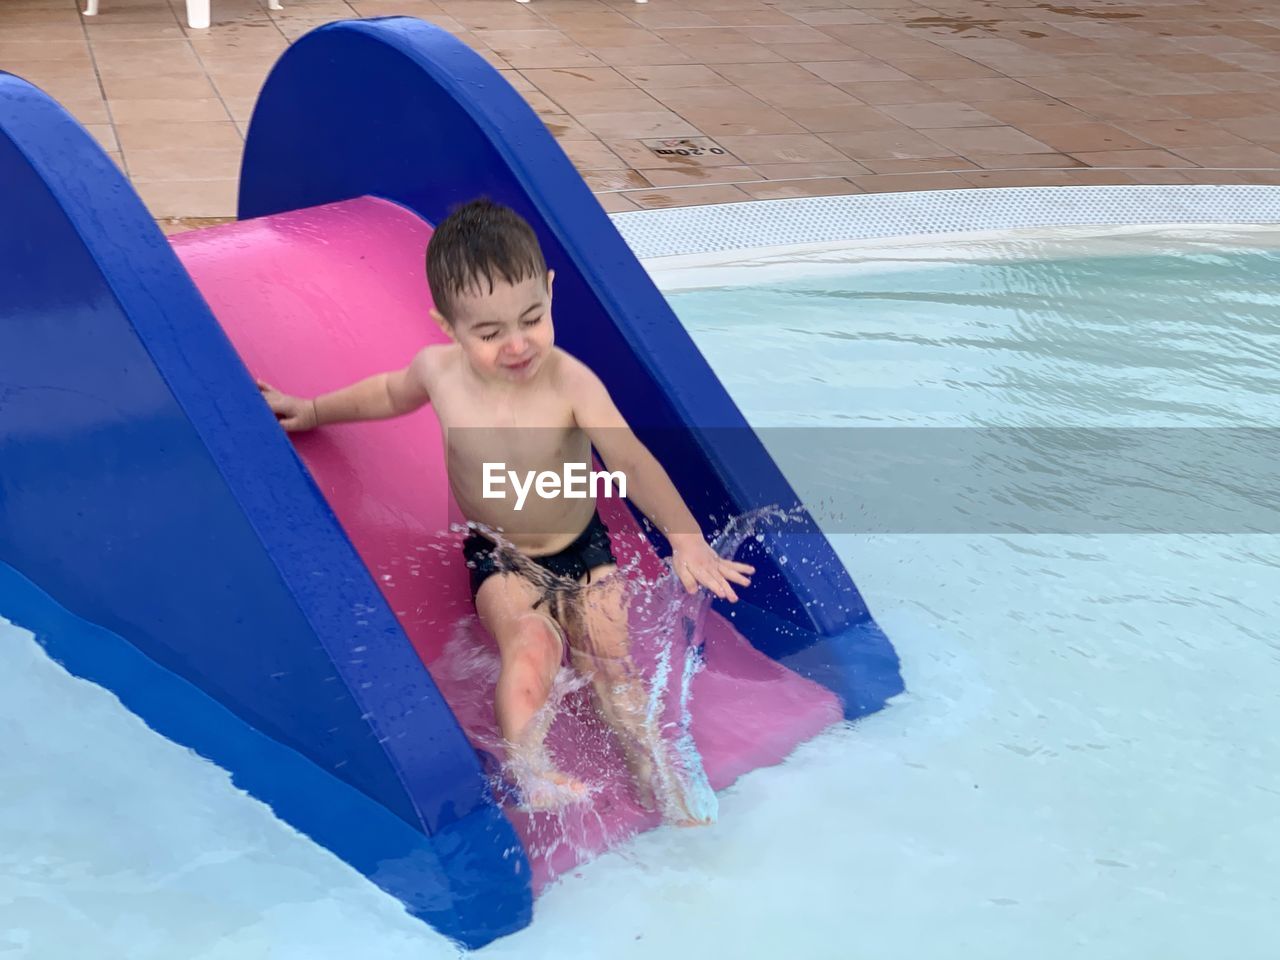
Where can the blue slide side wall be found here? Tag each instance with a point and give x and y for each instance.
(146, 487)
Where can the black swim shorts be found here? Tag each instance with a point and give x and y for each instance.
(591, 549)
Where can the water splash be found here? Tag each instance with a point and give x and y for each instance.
(619, 719)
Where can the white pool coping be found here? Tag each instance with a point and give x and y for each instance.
(718, 244)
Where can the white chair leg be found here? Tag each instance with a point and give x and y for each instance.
(274, 5)
(91, 8)
(198, 14)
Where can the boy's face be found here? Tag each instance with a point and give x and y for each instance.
(507, 334)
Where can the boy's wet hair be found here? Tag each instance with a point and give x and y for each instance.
(477, 245)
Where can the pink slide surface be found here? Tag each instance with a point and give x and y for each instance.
(316, 299)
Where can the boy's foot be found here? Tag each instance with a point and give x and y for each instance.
(671, 789)
(679, 800)
(541, 786)
(640, 765)
(551, 790)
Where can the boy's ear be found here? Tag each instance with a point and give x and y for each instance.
(551, 277)
(443, 323)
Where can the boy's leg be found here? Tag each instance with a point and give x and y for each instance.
(601, 649)
(531, 648)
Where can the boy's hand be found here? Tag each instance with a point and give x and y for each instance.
(294, 413)
(696, 564)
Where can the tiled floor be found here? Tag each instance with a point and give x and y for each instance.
(704, 101)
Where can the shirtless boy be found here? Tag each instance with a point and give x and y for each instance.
(504, 393)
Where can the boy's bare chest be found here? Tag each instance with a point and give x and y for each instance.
(529, 431)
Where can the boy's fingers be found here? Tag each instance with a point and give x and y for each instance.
(686, 578)
(741, 567)
(738, 578)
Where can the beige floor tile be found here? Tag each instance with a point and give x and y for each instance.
(890, 92)
(551, 57)
(773, 35)
(819, 16)
(764, 73)
(732, 53)
(803, 95)
(190, 198)
(855, 71)
(649, 54)
(887, 145)
(854, 119)
(143, 111)
(790, 148)
(559, 79)
(741, 120)
(87, 111)
(910, 182)
(938, 115)
(783, 189)
(54, 51)
(615, 203)
(686, 196)
(106, 51)
(565, 127)
(605, 180)
(595, 37)
(606, 101)
(1021, 178)
(68, 32)
(937, 69)
(920, 165)
(105, 134)
(1078, 137)
(187, 163)
(1131, 158)
(239, 84)
(683, 176)
(41, 72)
(1011, 91)
(673, 75)
(799, 171)
(1019, 161)
(640, 125)
(679, 153)
(963, 140)
(164, 135)
(814, 52)
(592, 155)
(1185, 133)
(1245, 156)
(161, 86)
(517, 80)
(144, 67)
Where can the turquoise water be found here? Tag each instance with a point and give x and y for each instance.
(1084, 764)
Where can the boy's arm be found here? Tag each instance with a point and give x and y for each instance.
(649, 487)
(375, 398)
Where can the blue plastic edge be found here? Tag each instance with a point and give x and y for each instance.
(147, 488)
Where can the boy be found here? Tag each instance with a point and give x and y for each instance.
(504, 393)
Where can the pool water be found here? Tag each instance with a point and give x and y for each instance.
(1084, 764)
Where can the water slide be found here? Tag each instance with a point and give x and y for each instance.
(287, 610)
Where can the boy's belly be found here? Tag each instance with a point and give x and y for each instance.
(541, 526)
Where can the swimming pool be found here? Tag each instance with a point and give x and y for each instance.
(1082, 765)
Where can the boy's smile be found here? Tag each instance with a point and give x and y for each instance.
(505, 333)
